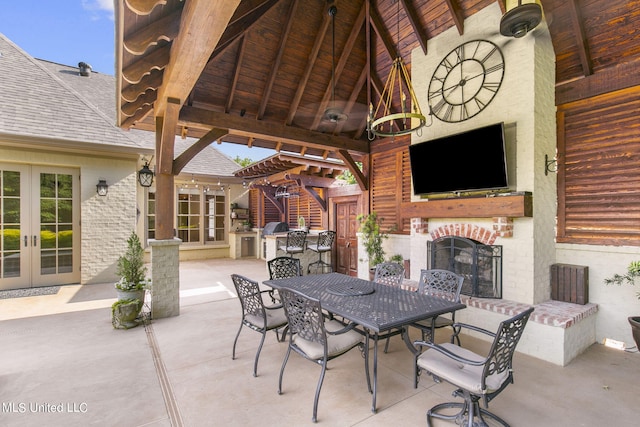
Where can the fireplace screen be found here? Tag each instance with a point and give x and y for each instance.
(481, 265)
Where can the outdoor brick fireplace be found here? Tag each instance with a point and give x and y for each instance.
(480, 264)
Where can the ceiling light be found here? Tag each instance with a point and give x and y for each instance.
(520, 18)
(384, 121)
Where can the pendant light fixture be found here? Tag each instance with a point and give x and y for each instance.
(384, 121)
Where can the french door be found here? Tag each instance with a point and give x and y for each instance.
(39, 226)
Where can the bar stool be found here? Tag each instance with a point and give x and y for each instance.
(295, 242)
(324, 244)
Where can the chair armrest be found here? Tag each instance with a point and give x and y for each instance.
(458, 326)
(347, 328)
(448, 353)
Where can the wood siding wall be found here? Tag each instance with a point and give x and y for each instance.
(599, 170)
(391, 183)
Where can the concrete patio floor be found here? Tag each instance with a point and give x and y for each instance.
(62, 364)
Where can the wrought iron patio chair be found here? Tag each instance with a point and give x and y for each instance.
(475, 376)
(295, 242)
(323, 245)
(284, 267)
(390, 274)
(315, 338)
(255, 315)
(442, 284)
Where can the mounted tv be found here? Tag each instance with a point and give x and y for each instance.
(466, 162)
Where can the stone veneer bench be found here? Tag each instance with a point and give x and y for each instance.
(557, 332)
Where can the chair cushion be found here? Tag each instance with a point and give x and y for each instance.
(291, 249)
(317, 248)
(440, 322)
(336, 344)
(459, 374)
(275, 318)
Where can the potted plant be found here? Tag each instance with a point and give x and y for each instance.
(301, 223)
(133, 283)
(372, 238)
(633, 272)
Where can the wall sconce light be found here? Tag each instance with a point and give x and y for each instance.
(102, 187)
(550, 165)
(145, 176)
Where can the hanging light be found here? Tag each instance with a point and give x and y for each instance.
(145, 176)
(383, 121)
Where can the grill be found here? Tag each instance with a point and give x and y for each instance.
(271, 228)
(274, 227)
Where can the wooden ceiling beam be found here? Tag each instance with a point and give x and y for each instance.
(203, 23)
(276, 63)
(236, 74)
(353, 98)
(240, 26)
(148, 83)
(270, 131)
(311, 60)
(414, 20)
(456, 15)
(581, 37)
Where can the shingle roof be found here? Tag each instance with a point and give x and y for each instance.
(36, 103)
(43, 99)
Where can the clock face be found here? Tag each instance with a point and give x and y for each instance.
(466, 80)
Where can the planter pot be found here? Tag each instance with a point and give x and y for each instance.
(635, 329)
(132, 295)
(124, 315)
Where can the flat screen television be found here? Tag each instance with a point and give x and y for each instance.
(466, 162)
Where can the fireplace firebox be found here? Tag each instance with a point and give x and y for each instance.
(479, 264)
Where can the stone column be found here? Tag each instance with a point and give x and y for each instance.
(165, 289)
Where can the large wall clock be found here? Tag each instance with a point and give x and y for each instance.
(466, 81)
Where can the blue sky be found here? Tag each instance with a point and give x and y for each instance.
(71, 31)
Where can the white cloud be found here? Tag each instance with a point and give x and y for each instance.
(97, 6)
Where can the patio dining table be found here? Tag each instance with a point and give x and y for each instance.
(377, 308)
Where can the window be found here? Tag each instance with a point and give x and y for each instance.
(200, 215)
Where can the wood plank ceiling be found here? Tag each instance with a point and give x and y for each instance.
(259, 72)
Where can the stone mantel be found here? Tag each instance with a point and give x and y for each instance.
(511, 206)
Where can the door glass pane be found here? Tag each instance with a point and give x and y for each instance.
(56, 223)
(9, 224)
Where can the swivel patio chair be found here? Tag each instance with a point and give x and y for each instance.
(390, 274)
(324, 244)
(475, 376)
(316, 338)
(442, 284)
(255, 315)
(295, 242)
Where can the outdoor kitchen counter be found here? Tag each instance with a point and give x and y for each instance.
(273, 241)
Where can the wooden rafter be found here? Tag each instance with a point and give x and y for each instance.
(166, 29)
(276, 64)
(190, 51)
(414, 20)
(578, 31)
(456, 15)
(236, 74)
(304, 79)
